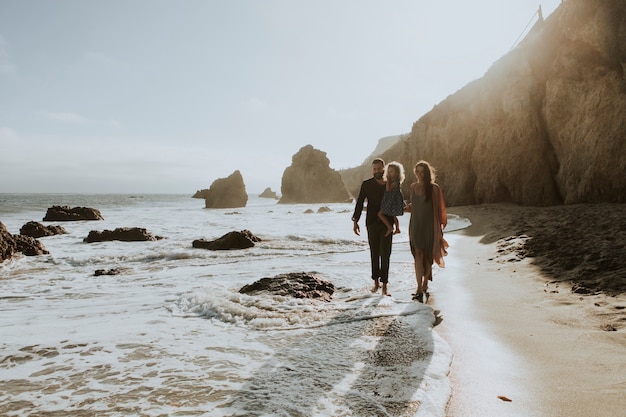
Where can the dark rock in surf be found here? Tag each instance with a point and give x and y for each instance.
(113, 271)
(65, 214)
(11, 244)
(124, 234)
(29, 246)
(294, 284)
(7, 244)
(36, 230)
(231, 240)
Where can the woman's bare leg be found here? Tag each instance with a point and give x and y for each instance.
(418, 257)
(428, 273)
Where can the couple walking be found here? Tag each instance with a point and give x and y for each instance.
(428, 219)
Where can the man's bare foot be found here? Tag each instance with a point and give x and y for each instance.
(389, 231)
(376, 287)
(397, 232)
(385, 289)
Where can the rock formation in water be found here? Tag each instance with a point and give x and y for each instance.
(37, 230)
(112, 271)
(268, 193)
(294, 284)
(11, 244)
(310, 179)
(227, 192)
(545, 125)
(231, 240)
(67, 214)
(124, 234)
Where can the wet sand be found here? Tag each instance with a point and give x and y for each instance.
(535, 332)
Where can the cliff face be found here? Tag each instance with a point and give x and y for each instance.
(310, 179)
(545, 125)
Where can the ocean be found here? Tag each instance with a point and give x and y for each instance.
(172, 336)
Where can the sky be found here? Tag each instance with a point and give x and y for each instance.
(155, 96)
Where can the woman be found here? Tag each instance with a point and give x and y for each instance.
(428, 219)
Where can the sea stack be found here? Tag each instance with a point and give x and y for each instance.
(227, 192)
(310, 180)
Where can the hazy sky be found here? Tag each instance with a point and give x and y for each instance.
(145, 96)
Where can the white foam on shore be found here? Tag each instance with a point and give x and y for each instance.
(171, 334)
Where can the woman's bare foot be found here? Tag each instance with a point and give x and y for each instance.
(389, 231)
(397, 231)
(376, 287)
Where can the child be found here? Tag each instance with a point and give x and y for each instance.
(393, 201)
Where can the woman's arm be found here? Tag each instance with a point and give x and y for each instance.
(440, 205)
(407, 208)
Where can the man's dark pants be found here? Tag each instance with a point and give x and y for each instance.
(380, 250)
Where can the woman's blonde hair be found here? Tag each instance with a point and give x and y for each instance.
(398, 166)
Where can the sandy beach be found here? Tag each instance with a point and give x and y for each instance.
(533, 304)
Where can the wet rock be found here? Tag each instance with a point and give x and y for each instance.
(37, 230)
(29, 246)
(125, 234)
(232, 240)
(113, 271)
(65, 213)
(294, 284)
(7, 244)
(11, 244)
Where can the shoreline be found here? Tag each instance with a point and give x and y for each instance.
(520, 334)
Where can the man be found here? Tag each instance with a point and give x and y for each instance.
(373, 190)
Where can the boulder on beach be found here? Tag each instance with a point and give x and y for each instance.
(11, 244)
(310, 180)
(229, 192)
(124, 234)
(243, 239)
(37, 230)
(268, 193)
(294, 284)
(65, 214)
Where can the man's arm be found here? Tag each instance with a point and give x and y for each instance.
(358, 210)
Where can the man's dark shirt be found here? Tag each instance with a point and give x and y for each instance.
(373, 192)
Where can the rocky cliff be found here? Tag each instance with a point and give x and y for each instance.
(545, 125)
(310, 179)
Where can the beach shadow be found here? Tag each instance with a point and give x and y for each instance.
(370, 365)
(579, 244)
